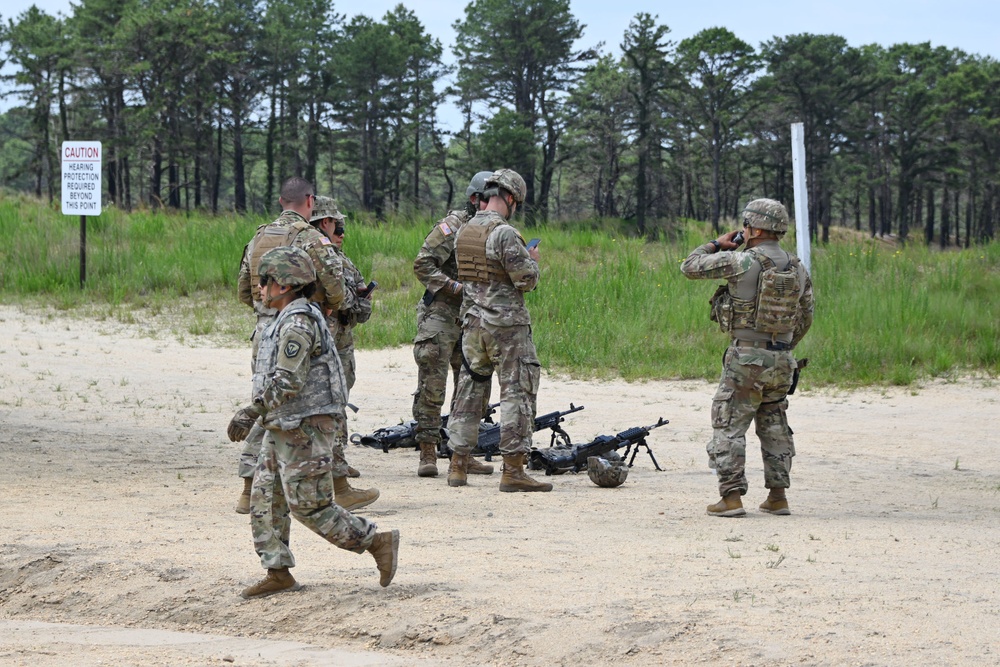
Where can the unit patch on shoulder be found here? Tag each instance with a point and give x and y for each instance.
(324, 240)
(292, 349)
(445, 229)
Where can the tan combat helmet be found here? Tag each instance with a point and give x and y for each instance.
(766, 214)
(288, 266)
(509, 180)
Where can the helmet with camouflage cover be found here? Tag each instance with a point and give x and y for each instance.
(607, 473)
(766, 214)
(325, 207)
(509, 180)
(478, 183)
(288, 266)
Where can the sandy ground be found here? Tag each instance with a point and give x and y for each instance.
(116, 525)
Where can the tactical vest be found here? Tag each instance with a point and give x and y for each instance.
(470, 253)
(772, 310)
(324, 392)
(269, 237)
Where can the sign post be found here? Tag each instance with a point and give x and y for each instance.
(81, 188)
(801, 194)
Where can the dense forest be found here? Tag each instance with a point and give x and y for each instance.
(210, 104)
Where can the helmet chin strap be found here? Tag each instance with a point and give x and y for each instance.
(507, 204)
(267, 299)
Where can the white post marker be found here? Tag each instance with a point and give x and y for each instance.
(801, 195)
(81, 188)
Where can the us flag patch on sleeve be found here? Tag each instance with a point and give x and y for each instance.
(325, 241)
(445, 229)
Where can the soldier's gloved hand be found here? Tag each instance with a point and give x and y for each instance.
(241, 423)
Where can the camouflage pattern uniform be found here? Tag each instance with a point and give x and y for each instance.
(330, 294)
(354, 310)
(757, 369)
(439, 325)
(496, 335)
(299, 390)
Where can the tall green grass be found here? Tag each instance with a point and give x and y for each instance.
(608, 305)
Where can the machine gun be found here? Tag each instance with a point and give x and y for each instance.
(557, 460)
(489, 439)
(402, 435)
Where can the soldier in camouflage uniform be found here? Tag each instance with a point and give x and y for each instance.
(299, 394)
(766, 307)
(291, 228)
(496, 269)
(357, 305)
(436, 347)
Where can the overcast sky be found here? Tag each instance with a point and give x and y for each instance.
(971, 25)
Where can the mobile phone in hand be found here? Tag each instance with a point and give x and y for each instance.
(533, 243)
(369, 289)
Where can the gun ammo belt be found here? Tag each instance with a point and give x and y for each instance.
(775, 346)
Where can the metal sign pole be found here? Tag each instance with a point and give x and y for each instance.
(83, 250)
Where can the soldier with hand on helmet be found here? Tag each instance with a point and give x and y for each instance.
(299, 394)
(496, 269)
(766, 307)
(436, 346)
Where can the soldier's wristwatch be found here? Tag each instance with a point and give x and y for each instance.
(718, 246)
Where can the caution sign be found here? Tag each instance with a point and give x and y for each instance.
(81, 177)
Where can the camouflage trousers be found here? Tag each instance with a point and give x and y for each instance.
(349, 365)
(255, 439)
(294, 478)
(753, 388)
(436, 349)
(510, 352)
(343, 336)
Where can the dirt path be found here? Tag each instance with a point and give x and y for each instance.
(118, 483)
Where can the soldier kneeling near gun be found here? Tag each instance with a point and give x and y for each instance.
(300, 393)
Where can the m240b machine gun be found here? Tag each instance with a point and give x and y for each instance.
(557, 460)
(402, 435)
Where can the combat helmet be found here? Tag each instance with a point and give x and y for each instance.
(509, 180)
(477, 185)
(766, 214)
(288, 266)
(325, 207)
(608, 471)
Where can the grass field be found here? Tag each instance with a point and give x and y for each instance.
(608, 305)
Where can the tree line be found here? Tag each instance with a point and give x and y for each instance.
(209, 104)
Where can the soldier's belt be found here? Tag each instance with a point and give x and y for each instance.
(776, 346)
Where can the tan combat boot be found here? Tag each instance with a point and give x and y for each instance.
(243, 504)
(514, 478)
(350, 498)
(730, 505)
(776, 503)
(276, 581)
(475, 467)
(385, 548)
(353, 472)
(428, 460)
(458, 469)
